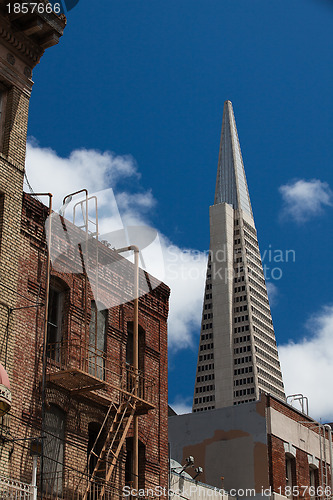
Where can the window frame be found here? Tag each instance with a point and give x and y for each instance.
(97, 356)
(56, 339)
(57, 457)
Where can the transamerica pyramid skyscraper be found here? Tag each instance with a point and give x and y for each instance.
(238, 357)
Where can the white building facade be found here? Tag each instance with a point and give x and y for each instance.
(237, 357)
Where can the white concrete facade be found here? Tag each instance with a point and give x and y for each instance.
(183, 487)
(237, 356)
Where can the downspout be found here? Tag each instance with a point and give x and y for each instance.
(329, 429)
(85, 263)
(321, 454)
(135, 360)
(47, 295)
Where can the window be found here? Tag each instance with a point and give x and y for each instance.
(314, 481)
(290, 474)
(95, 444)
(97, 341)
(55, 321)
(53, 450)
(129, 475)
(130, 359)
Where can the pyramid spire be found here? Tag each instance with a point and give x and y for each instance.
(231, 185)
(238, 357)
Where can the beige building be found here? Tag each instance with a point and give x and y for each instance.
(237, 357)
(263, 449)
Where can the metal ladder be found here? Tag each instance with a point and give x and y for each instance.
(114, 441)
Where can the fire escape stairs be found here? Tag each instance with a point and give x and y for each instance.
(108, 456)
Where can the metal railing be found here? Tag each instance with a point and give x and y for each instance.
(66, 485)
(71, 485)
(10, 489)
(77, 355)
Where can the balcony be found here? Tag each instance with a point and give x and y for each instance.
(87, 372)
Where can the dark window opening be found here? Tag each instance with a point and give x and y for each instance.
(314, 482)
(53, 462)
(130, 359)
(95, 443)
(290, 474)
(97, 341)
(55, 322)
(129, 473)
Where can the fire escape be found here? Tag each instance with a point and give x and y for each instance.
(85, 371)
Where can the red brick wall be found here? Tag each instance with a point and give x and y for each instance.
(277, 455)
(27, 374)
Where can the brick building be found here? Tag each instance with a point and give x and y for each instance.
(87, 370)
(263, 448)
(23, 39)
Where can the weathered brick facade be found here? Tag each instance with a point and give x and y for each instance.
(84, 408)
(304, 450)
(65, 382)
(23, 40)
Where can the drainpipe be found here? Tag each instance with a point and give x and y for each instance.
(329, 429)
(135, 360)
(321, 454)
(34, 477)
(85, 263)
(47, 294)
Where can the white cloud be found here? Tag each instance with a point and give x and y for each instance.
(273, 292)
(135, 207)
(307, 365)
(182, 405)
(185, 271)
(303, 199)
(182, 269)
(90, 169)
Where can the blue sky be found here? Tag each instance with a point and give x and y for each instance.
(147, 81)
